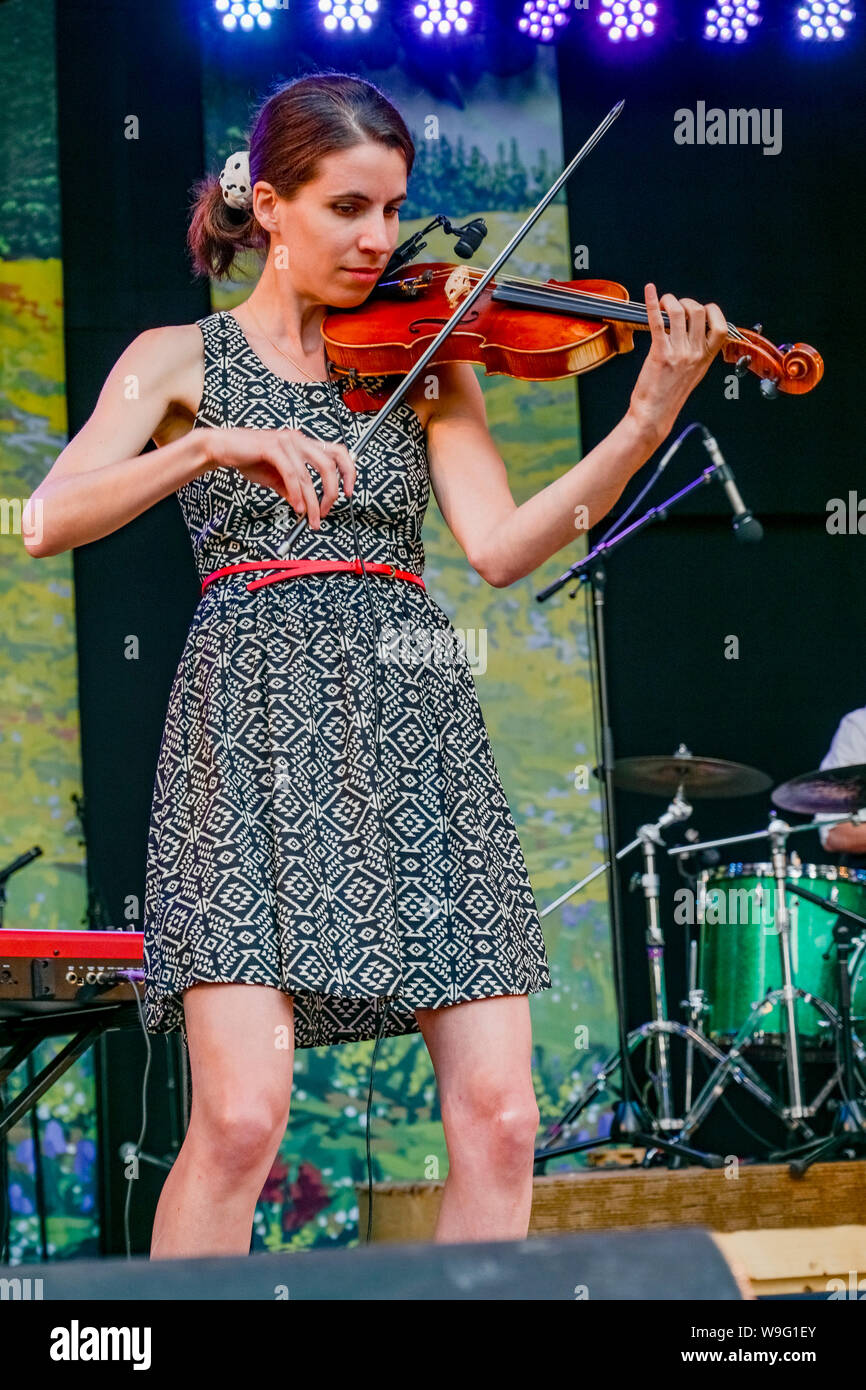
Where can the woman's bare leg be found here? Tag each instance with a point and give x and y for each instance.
(481, 1054)
(241, 1052)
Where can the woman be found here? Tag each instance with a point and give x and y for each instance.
(301, 889)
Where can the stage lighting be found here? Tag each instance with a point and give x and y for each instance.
(245, 14)
(824, 19)
(443, 17)
(541, 19)
(348, 15)
(732, 23)
(628, 19)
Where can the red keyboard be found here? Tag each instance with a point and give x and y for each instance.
(74, 966)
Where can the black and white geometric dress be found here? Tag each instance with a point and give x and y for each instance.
(266, 858)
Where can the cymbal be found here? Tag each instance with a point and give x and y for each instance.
(699, 777)
(830, 789)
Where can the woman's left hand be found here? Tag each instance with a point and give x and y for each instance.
(677, 360)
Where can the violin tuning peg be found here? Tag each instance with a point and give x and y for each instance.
(742, 366)
(769, 389)
(785, 347)
(757, 328)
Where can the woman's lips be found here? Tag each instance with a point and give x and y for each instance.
(366, 275)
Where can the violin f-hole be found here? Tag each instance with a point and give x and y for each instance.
(417, 324)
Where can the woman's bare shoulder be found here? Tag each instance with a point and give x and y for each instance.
(177, 350)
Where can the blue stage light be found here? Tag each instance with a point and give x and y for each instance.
(629, 19)
(348, 16)
(443, 17)
(732, 23)
(824, 19)
(543, 19)
(245, 15)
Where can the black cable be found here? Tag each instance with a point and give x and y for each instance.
(380, 805)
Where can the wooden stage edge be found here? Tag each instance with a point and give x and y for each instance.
(790, 1235)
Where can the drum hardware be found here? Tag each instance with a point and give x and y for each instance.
(826, 820)
(736, 968)
(696, 1005)
(677, 776)
(629, 1116)
(849, 1128)
(684, 773)
(703, 777)
(733, 1060)
(648, 837)
(844, 788)
(829, 789)
(779, 852)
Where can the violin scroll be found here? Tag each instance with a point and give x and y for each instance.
(793, 368)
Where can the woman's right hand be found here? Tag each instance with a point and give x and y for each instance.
(278, 459)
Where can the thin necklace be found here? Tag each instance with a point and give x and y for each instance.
(279, 349)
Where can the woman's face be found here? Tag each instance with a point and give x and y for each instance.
(346, 219)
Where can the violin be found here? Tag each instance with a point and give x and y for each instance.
(522, 328)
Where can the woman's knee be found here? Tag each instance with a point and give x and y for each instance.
(497, 1114)
(242, 1132)
(241, 1061)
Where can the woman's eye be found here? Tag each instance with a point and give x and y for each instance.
(347, 207)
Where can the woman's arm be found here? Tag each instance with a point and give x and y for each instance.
(504, 541)
(99, 482)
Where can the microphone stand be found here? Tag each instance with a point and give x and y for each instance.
(631, 1122)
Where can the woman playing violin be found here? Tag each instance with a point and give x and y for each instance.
(292, 888)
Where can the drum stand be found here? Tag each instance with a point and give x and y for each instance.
(849, 1127)
(728, 1065)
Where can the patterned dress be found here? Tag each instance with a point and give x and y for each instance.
(286, 847)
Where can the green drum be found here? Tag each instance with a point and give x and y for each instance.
(739, 945)
(857, 976)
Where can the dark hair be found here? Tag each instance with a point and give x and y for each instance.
(298, 124)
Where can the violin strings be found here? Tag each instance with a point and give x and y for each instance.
(634, 311)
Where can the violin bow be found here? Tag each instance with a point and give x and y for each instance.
(407, 381)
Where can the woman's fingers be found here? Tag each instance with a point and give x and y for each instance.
(345, 461)
(654, 313)
(677, 320)
(697, 328)
(331, 461)
(717, 329)
(696, 315)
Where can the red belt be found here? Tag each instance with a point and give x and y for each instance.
(289, 568)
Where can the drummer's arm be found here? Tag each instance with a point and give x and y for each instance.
(846, 836)
(846, 750)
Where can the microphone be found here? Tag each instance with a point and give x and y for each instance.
(19, 863)
(746, 526)
(471, 237)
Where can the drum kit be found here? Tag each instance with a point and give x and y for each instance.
(776, 959)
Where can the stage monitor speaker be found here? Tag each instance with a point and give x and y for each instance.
(667, 1264)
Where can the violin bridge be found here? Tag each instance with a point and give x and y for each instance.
(458, 285)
